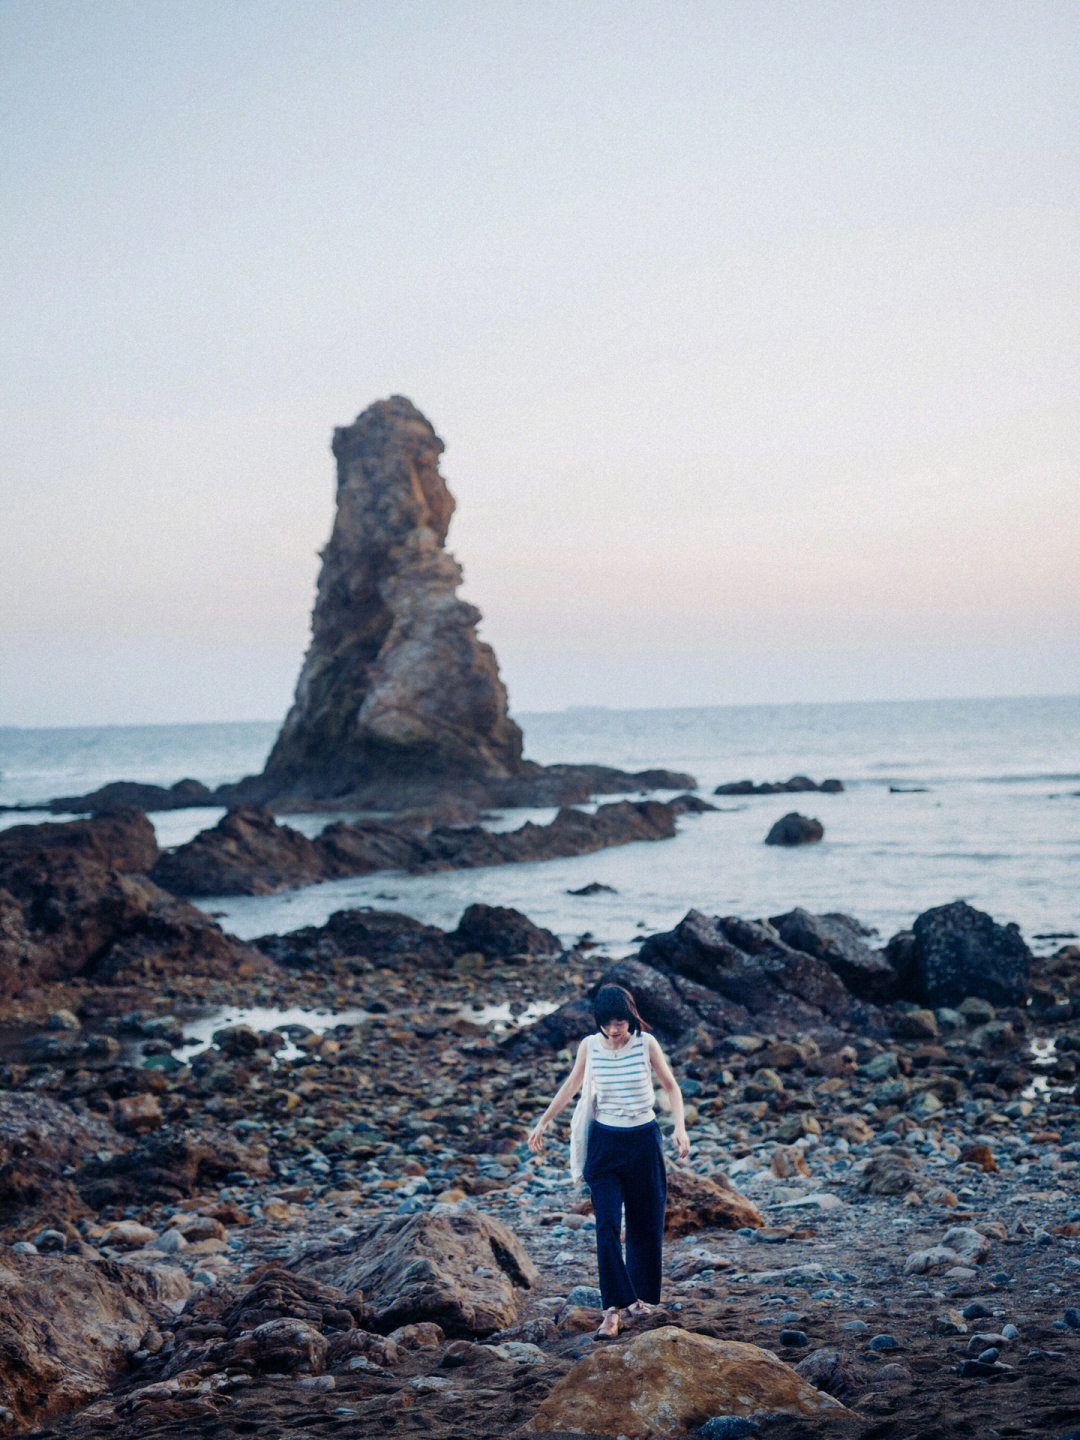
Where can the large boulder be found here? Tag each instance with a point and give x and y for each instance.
(747, 962)
(122, 840)
(959, 952)
(670, 1381)
(69, 1327)
(497, 931)
(461, 1270)
(838, 940)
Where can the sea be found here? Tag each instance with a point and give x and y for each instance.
(976, 800)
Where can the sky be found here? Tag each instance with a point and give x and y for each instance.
(752, 330)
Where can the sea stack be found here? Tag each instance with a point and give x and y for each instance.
(398, 699)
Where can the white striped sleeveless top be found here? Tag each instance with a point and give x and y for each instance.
(623, 1082)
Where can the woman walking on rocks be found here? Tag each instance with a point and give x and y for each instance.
(624, 1163)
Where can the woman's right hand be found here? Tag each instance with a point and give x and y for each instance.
(536, 1137)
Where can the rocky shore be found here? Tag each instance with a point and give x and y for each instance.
(334, 1226)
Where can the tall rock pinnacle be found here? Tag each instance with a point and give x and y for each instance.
(397, 695)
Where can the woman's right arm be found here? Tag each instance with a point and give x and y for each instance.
(562, 1097)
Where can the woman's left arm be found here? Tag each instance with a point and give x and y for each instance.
(674, 1094)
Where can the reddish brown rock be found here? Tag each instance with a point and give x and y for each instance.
(70, 1326)
(670, 1381)
(460, 1271)
(697, 1202)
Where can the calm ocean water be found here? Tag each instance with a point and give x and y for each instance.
(990, 814)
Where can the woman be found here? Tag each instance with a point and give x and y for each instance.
(624, 1167)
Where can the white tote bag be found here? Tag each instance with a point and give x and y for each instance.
(582, 1119)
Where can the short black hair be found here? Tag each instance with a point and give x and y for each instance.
(612, 1002)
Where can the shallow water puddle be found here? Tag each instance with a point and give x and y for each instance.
(199, 1034)
(293, 1024)
(1044, 1054)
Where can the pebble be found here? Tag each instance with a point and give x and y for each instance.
(893, 1371)
(1072, 1318)
(588, 1297)
(794, 1338)
(976, 1311)
(50, 1241)
(883, 1342)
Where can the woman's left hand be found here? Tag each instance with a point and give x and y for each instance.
(681, 1141)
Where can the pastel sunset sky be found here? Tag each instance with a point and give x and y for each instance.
(752, 330)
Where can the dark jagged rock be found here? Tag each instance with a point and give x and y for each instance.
(245, 853)
(374, 934)
(71, 904)
(124, 841)
(795, 829)
(170, 1165)
(249, 853)
(123, 794)
(838, 940)
(957, 952)
(748, 963)
(399, 702)
(797, 785)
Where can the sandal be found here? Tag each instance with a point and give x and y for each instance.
(609, 1326)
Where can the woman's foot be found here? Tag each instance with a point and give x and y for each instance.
(609, 1327)
(640, 1308)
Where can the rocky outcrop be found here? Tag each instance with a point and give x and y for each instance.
(41, 1141)
(494, 931)
(396, 689)
(957, 952)
(71, 903)
(245, 853)
(399, 703)
(461, 1271)
(797, 785)
(70, 1326)
(670, 1381)
(249, 853)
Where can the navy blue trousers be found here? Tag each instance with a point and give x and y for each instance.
(624, 1170)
